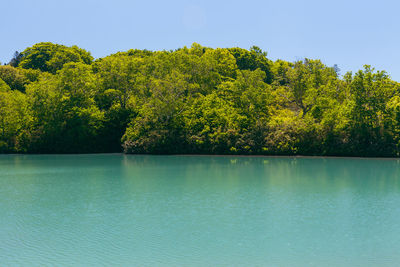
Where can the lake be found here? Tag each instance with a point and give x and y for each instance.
(129, 210)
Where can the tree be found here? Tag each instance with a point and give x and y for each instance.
(51, 57)
(66, 118)
(13, 77)
(4, 86)
(371, 91)
(157, 127)
(14, 120)
(213, 125)
(252, 60)
(16, 59)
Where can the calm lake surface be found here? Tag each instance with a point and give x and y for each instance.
(126, 210)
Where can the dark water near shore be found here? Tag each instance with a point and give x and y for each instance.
(117, 210)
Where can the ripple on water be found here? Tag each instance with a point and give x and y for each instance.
(107, 210)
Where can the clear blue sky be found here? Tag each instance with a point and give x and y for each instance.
(347, 33)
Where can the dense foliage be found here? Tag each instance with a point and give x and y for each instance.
(57, 99)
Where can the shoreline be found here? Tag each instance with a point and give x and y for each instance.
(201, 155)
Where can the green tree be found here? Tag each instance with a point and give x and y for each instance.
(253, 59)
(371, 91)
(4, 86)
(66, 118)
(157, 127)
(14, 119)
(213, 125)
(51, 57)
(14, 77)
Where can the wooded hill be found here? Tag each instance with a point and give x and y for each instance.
(58, 99)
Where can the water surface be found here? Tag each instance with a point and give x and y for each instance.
(117, 210)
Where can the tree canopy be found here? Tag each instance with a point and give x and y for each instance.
(57, 99)
(50, 57)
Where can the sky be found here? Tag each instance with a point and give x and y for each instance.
(343, 32)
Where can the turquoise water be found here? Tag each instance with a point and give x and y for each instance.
(116, 210)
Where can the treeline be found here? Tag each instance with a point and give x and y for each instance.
(58, 99)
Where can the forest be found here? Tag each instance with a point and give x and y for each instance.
(193, 100)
